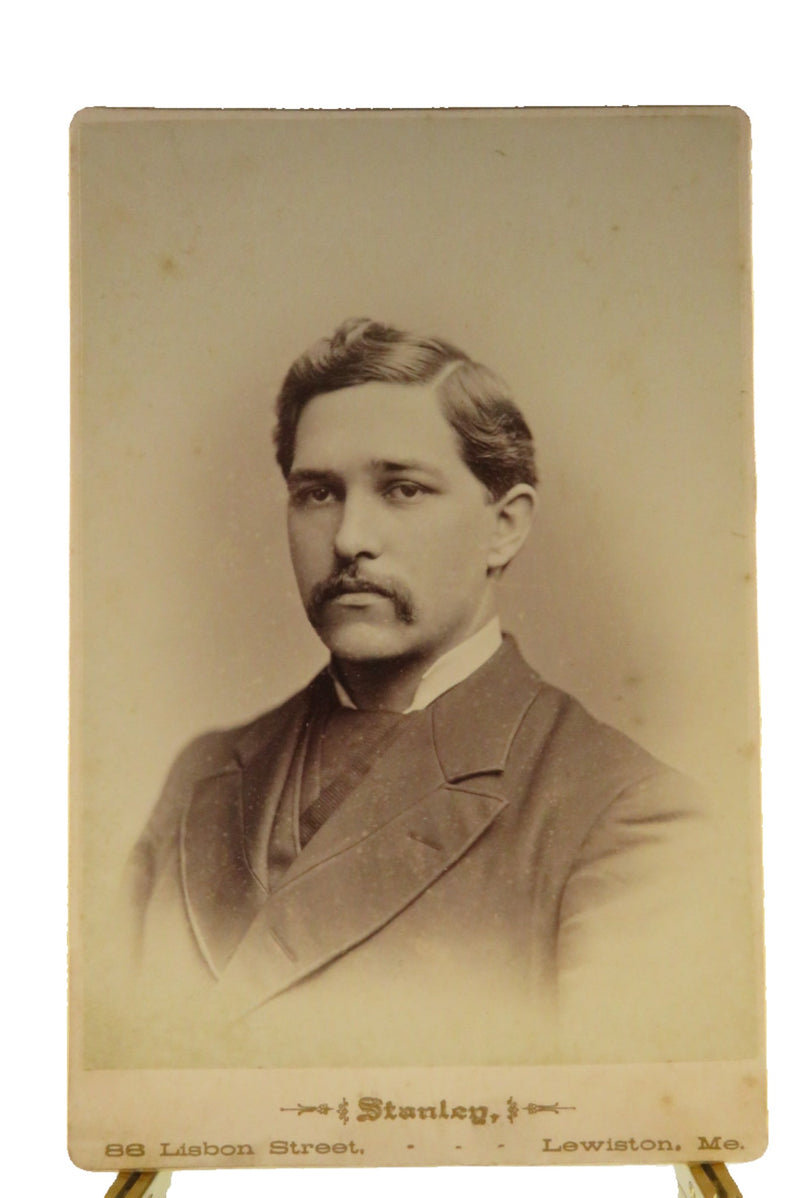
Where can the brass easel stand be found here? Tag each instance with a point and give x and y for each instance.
(148, 1184)
(694, 1181)
(706, 1181)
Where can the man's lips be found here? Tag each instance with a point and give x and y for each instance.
(358, 599)
(355, 596)
(346, 588)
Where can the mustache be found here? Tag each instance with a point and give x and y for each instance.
(349, 582)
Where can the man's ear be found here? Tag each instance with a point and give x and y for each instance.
(513, 518)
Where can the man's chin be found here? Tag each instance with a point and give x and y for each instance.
(361, 644)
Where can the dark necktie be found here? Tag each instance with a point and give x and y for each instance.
(350, 743)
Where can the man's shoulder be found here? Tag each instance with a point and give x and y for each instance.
(220, 751)
(537, 710)
(586, 739)
(216, 750)
(586, 768)
(508, 718)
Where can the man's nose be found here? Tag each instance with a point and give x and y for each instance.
(358, 533)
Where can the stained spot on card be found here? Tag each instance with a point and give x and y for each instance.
(168, 265)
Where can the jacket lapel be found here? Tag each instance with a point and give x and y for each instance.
(225, 829)
(428, 798)
(345, 898)
(438, 746)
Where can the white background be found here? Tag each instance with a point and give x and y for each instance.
(426, 54)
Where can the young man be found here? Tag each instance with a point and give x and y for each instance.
(428, 854)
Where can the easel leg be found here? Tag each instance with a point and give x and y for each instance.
(706, 1181)
(148, 1184)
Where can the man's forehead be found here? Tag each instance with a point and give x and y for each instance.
(379, 422)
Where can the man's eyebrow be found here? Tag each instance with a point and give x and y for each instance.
(384, 466)
(298, 477)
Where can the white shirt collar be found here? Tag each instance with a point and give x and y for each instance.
(448, 670)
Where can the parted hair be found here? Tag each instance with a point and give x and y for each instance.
(495, 441)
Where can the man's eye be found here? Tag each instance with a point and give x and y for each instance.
(313, 496)
(405, 492)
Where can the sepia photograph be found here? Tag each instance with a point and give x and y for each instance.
(415, 727)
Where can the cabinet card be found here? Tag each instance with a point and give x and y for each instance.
(415, 722)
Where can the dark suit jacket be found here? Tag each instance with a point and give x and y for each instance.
(506, 856)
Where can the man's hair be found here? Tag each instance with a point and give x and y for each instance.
(495, 441)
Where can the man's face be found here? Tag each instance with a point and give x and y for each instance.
(389, 530)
